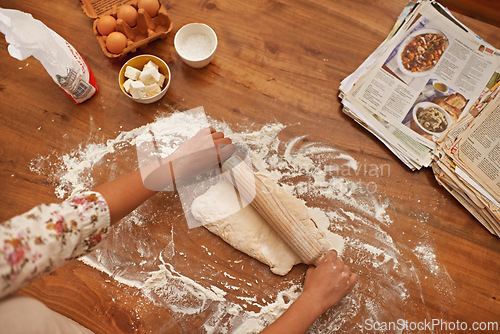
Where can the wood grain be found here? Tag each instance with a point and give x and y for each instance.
(483, 10)
(276, 61)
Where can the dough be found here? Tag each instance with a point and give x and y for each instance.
(244, 228)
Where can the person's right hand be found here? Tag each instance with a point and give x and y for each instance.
(325, 285)
(329, 282)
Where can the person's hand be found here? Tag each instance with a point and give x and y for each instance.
(329, 282)
(203, 152)
(206, 142)
(324, 286)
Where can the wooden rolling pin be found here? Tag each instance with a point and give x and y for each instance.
(289, 228)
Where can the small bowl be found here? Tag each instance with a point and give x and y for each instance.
(424, 105)
(138, 62)
(196, 43)
(410, 39)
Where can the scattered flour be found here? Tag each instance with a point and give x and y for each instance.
(390, 270)
(426, 254)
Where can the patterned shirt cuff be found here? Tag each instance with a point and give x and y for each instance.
(93, 219)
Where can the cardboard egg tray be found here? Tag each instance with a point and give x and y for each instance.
(145, 31)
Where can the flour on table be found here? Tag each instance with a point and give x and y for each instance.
(391, 267)
(245, 229)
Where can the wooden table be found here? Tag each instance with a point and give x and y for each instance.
(277, 61)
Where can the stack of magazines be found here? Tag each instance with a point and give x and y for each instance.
(430, 93)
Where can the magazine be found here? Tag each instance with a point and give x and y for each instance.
(429, 92)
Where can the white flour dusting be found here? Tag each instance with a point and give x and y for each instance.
(391, 268)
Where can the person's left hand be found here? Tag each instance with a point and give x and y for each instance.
(203, 152)
(207, 140)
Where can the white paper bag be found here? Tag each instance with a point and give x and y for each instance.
(29, 37)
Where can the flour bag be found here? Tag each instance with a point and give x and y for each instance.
(29, 37)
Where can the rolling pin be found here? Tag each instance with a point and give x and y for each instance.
(251, 189)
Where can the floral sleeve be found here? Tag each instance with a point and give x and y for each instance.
(44, 238)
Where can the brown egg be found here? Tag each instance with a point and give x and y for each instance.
(128, 14)
(106, 24)
(150, 6)
(116, 42)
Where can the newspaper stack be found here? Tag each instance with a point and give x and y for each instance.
(429, 92)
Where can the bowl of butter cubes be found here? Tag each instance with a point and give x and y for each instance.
(144, 78)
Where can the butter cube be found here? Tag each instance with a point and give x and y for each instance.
(150, 64)
(137, 89)
(149, 75)
(126, 85)
(132, 73)
(161, 81)
(152, 90)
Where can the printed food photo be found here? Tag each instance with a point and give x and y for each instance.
(421, 51)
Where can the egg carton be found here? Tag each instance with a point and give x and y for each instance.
(145, 31)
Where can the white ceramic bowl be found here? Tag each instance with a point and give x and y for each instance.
(425, 105)
(196, 43)
(138, 62)
(407, 41)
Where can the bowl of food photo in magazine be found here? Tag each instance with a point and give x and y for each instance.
(429, 119)
(420, 52)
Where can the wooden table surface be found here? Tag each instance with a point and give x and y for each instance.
(277, 61)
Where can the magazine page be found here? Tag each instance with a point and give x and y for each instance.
(402, 155)
(429, 77)
(485, 208)
(477, 150)
(488, 94)
(412, 153)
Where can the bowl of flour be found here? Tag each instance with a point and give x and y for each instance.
(195, 44)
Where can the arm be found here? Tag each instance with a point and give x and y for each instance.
(39, 241)
(324, 286)
(43, 239)
(127, 192)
